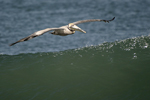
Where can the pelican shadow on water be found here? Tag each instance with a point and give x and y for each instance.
(63, 30)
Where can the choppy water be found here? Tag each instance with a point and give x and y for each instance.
(109, 62)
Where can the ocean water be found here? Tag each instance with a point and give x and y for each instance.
(109, 62)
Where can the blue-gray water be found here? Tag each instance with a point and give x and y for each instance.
(109, 62)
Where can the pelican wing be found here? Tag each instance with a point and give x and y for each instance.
(38, 33)
(92, 20)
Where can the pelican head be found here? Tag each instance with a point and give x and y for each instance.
(75, 28)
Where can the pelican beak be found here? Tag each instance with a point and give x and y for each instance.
(76, 28)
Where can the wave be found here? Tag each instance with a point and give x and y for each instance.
(109, 66)
(123, 47)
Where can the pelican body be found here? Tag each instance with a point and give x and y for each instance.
(62, 31)
(65, 30)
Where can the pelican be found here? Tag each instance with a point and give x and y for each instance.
(63, 30)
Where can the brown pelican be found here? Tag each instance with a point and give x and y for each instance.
(62, 31)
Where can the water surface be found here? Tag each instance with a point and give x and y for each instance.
(109, 62)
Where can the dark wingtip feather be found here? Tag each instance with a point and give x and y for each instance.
(24, 39)
(109, 20)
(10, 44)
(13, 43)
(113, 18)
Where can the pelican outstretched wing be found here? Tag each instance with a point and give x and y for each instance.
(92, 20)
(38, 33)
